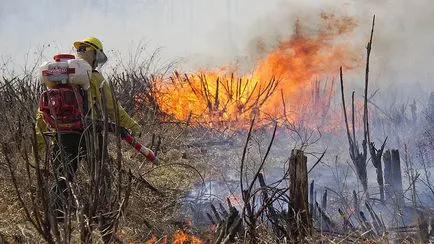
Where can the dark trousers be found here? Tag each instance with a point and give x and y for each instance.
(67, 153)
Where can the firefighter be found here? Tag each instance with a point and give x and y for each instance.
(91, 50)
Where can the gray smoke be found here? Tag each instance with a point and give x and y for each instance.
(214, 33)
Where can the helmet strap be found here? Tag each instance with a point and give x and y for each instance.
(94, 63)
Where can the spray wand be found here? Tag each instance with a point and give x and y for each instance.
(128, 138)
(148, 153)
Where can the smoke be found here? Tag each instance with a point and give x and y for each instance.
(401, 55)
(212, 33)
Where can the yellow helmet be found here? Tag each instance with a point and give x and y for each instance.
(94, 42)
(91, 41)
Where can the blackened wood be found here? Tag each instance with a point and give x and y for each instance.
(376, 161)
(298, 190)
(210, 218)
(326, 218)
(357, 210)
(223, 211)
(216, 214)
(359, 159)
(272, 214)
(229, 202)
(356, 203)
(375, 220)
(397, 178)
(387, 159)
(346, 219)
(312, 200)
(368, 225)
(324, 201)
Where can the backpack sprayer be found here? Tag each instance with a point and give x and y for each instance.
(61, 105)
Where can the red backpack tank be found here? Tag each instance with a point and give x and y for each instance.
(63, 102)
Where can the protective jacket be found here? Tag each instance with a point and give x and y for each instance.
(94, 101)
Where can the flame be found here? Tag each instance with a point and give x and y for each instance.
(180, 237)
(152, 240)
(285, 85)
(236, 199)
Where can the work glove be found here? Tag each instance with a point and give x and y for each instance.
(136, 131)
(136, 134)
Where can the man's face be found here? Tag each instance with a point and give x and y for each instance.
(87, 53)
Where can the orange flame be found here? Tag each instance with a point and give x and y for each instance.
(152, 240)
(284, 85)
(180, 237)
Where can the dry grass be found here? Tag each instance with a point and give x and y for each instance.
(185, 158)
(14, 227)
(148, 212)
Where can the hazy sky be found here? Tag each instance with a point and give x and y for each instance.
(213, 32)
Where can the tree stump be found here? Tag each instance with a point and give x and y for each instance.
(393, 178)
(397, 178)
(299, 222)
(387, 159)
